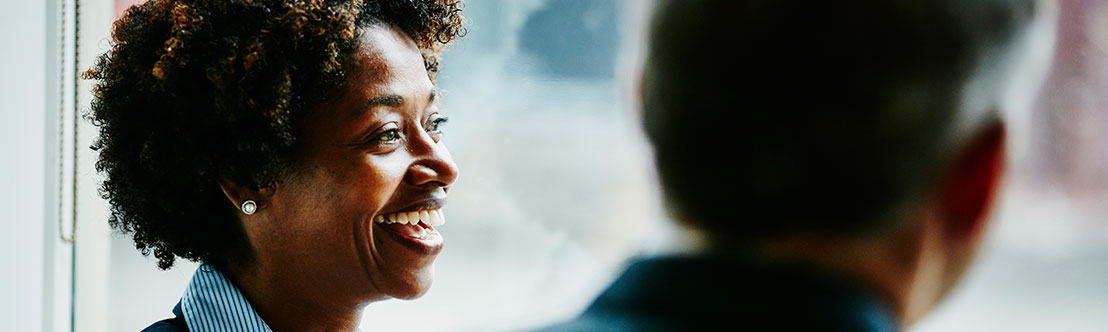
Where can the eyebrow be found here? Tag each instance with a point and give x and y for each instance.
(393, 100)
(386, 100)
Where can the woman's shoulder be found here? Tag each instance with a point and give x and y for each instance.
(176, 324)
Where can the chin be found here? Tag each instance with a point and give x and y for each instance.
(417, 284)
(415, 294)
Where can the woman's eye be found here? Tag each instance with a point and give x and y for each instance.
(436, 125)
(389, 136)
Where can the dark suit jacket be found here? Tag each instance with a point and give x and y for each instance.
(716, 293)
(175, 324)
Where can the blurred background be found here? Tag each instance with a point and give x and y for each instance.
(557, 187)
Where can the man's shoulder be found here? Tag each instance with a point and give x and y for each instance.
(705, 293)
(622, 322)
(662, 294)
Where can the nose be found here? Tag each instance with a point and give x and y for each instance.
(433, 165)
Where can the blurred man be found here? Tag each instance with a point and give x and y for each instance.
(840, 158)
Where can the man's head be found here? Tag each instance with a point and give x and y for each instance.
(809, 122)
(770, 117)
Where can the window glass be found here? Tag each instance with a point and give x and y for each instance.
(556, 189)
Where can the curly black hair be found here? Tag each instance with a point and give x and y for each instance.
(193, 92)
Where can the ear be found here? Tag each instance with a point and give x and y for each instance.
(639, 88)
(972, 181)
(238, 193)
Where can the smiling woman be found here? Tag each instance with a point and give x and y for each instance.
(292, 147)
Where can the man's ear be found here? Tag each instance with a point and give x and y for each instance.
(970, 185)
(237, 193)
(639, 89)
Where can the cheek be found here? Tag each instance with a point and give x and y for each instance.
(341, 192)
(372, 181)
(322, 206)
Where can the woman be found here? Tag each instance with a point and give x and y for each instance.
(292, 147)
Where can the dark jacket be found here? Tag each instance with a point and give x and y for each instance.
(175, 324)
(715, 293)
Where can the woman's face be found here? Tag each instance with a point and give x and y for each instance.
(367, 158)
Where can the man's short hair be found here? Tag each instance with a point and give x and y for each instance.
(770, 117)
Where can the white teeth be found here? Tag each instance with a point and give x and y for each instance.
(434, 215)
(433, 218)
(438, 218)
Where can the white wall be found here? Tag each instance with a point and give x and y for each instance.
(37, 263)
(91, 270)
(22, 170)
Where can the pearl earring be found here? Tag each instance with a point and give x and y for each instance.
(249, 207)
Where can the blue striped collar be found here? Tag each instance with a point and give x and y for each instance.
(212, 304)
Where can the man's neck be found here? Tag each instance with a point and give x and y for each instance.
(888, 266)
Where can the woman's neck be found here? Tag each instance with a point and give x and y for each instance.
(288, 301)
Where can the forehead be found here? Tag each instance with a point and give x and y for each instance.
(386, 63)
(387, 58)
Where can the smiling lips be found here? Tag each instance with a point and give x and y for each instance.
(415, 229)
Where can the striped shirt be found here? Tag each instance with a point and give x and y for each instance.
(212, 304)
